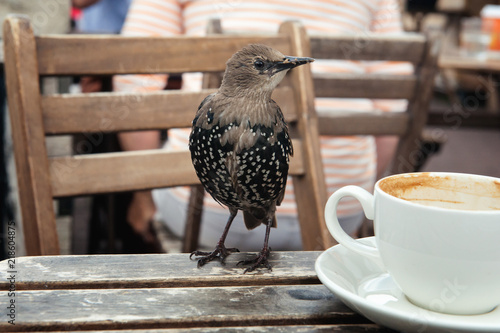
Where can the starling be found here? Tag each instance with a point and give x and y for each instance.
(240, 146)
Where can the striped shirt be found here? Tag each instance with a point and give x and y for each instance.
(347, 160)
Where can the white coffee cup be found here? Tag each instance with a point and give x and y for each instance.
(437, 234)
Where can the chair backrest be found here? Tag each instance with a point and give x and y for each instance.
(417, 88)
(33, 116)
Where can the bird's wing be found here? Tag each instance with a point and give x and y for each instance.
(285, 137)
(202, 108)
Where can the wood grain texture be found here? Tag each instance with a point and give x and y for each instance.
(112, 112)
(127, 55)
(122, 171)
(179, 308)
(408, 47)
(155, 271)
(168, 292)
(325, 328)
(363, 123)
(23, 95)
(365, 86)
(194, 216)
(132, 170)
(310, 187)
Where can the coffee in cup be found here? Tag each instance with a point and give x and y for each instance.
(437, 234)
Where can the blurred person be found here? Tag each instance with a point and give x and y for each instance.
(108, 17)
(99, 17)
(353, 160)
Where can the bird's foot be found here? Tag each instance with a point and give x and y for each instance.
(220, 253)
(259, 261)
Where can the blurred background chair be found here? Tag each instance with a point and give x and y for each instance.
(417, 89)
(413, 145)
(33, 116)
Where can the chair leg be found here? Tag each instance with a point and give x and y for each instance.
(366, 229)
(195, 209)
(193, 221)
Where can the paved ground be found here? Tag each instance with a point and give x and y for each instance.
(468, 150)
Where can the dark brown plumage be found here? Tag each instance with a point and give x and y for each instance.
(240, 145)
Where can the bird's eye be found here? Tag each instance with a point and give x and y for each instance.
(259, 64)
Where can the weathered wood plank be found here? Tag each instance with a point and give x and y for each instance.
(111, 112)
(112, 172)
(407, 47)
(154, 271)
(365, 86)
(310, 187)
(349, 328)
(163, 55)
(168, 291)
(124, 171)
(23, 94)
(178, 307)
(363, 123)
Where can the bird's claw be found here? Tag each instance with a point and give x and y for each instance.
(259, 261)
(220, 252)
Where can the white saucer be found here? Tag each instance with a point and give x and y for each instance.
(364, 286)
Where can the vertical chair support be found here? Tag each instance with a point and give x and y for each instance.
(409, 146)
(310, 189)
(197, 195)
(24, 94)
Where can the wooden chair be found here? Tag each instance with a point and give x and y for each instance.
(33, 116)
(417, 49)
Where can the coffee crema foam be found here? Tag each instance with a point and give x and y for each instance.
(452, 192)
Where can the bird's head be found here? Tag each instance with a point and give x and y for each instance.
(258, 68)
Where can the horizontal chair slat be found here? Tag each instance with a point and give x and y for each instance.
(74, 51)
(114, 172)
(124, 171)
(363, 123)
(406, 47)
(110, 112)
(365, 86)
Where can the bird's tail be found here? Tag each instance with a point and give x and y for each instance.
(252, 222)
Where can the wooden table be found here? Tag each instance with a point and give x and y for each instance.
(168, 291)
(468, 112)
(455, 60)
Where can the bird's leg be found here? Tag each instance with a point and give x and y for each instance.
(261, 259)
(220, 252)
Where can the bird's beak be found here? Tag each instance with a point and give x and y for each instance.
(289, 63)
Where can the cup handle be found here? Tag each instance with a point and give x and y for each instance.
(332, 222)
